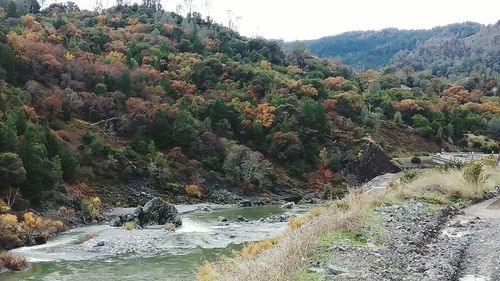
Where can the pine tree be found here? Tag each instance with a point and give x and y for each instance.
(11, 11)
(398, 118)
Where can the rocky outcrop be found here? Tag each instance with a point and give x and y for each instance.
(154, 212)
(371, 162)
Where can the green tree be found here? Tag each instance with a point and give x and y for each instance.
(439, 134)
(8, 63)
(420, 121)
(450, 130)
(162, 130)
(398, 118)
(12, 172)
(313, 119)
(8, 134)
(11, 10)
(124, 83)
(494, 127)
(42, 173)
(185, 129)
(69, 165)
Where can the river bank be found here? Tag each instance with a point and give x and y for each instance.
(395, 226)
(153, 252)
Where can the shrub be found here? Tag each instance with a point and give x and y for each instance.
(129, 225)
(91, 206)
(194, 190)
(206, 273)
(416, 160)
(65, 213)
(448, 166)
(13, 262)
(475, 174)
(316, 212)
(255, 248)
(3, 207)
(296, 222)
(33, 226)
(408, 177)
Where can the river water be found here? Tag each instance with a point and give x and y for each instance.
(146, 254)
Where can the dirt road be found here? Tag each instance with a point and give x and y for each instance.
(414, 241)
(481, 259)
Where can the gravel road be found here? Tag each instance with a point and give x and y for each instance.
(414, 240)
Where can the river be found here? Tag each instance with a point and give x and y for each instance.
(102, 252)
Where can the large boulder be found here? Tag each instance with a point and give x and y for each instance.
(154, 212)
(373, 161)
(157, 211)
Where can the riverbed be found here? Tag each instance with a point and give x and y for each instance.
(102, 252)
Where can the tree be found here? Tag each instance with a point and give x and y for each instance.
(494, 127)
(8, 62)
(124, 83)
(11, 11)
(439, 134)
(12, 175)
(297, 54)
(8, 135)
(398, 118)
(185, 129)
(450, 130)
(162, 130)
(42, 173)
(313, 117)
(32, 6)
(420, 121)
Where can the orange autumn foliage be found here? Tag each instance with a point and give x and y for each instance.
(183, 88)
(308, 90)
(335, 83)
(265, 114)
(461, 94)
(406, 105)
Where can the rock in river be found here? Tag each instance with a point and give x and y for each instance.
(156, 211)
(288, 205)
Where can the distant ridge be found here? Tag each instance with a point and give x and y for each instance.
(465, 44)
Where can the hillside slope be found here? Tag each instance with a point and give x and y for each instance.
(466, 44)
(137, 102)
(447, 56)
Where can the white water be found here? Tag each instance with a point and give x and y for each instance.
(145, 254)
(474, 278)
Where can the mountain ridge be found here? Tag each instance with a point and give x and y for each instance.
(395, 47)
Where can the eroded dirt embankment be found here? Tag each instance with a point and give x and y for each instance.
(416, 240)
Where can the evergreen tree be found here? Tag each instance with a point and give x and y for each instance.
(8, 62)
(11, 10)
(42, 173)
(8, 135)
(398, 118)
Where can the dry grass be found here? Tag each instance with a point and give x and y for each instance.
(283, 260)
(255, 248)
(129, 225)
(444, 186)
(12, 262)
(206, 273)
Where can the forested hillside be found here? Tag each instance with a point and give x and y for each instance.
(448, 50)
(136, 100)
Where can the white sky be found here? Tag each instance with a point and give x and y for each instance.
(311, 19)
